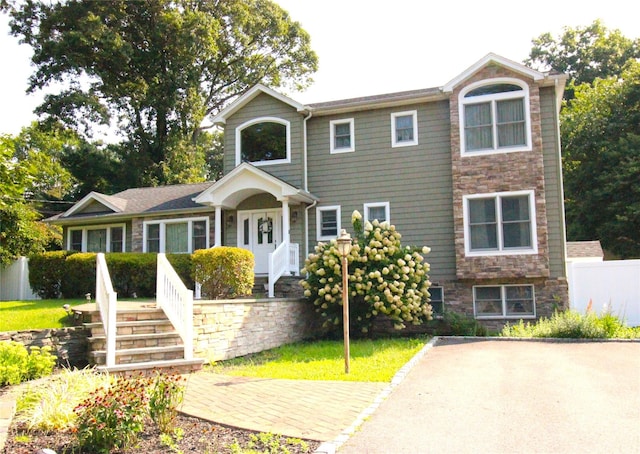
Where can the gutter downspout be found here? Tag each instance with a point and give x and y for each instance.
(306, 183)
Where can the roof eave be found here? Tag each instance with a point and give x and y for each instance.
(96, 219)
(377, 104)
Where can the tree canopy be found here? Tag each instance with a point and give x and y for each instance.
(601, 139)
(157, 69)
(584, 53)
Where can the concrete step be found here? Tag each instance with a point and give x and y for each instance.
(180, 366)
(133, 327)
(140, 355)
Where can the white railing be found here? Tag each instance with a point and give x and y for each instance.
(176, 300)
(278, 265)
(294, 258)
(106, 300)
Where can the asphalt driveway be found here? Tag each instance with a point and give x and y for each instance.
(511, 397)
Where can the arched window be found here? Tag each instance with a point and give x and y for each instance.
(494, 117)
(263, 141)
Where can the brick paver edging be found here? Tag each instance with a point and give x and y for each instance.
(330, 447)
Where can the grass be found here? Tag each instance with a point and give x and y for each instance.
(370, 360)
(37, 314)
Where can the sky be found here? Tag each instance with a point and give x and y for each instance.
(369, 47)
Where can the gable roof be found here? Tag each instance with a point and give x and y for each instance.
(243, 100)
(246, 180)
(137, 201)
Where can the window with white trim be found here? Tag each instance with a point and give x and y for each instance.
(263, 141)
(377, 210)
(176, 235)
(404, 128)
(494, 117)
(341, 135)
(100, 238)
(500, 223)
(436, 300)
(504, 301)
(327, 222)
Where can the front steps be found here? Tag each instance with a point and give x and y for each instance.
(145, 340)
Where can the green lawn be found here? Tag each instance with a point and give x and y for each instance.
(37, 314)
(370, 360)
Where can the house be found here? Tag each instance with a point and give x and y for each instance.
(472, 169)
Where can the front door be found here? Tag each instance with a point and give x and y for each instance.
(261, 233)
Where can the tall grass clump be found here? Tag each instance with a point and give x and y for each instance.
(49, 405)
(574, 325)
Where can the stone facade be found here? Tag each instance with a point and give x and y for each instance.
(226, 329)
(69, 345)
(499, 172)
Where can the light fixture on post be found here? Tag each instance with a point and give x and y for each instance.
(344, 247)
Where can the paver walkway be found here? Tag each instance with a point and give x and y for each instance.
(315, 410)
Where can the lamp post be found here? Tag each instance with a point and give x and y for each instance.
(344, 247)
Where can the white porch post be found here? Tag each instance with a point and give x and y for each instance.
(218, 227)
(285, 221)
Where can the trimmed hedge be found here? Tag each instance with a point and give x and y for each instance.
(224, 272)
(46, 271)
(73, 275)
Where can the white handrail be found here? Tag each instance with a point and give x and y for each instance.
(176, 300)
(294, 258)
(106, 300)
(278, 265)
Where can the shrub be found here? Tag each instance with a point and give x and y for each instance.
(79, 275)
(46, 272)
(183, 264)
(384, 278)
(18, 365)
(224, 272)
(165, 395)
(132, 272)
(454, 324)
(573, 325)
(112, 418)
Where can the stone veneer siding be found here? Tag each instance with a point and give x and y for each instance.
(69, 345)
(517, 171)
(226, 329)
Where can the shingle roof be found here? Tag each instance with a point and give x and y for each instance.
(382, 98)
(149, 200)
(577, 249)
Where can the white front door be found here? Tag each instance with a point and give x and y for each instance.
(261, 233)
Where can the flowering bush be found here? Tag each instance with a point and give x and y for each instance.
(165, 395)
(17, 364)
(384, 278)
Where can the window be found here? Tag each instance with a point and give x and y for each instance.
(103, 238)
(494, 117)
(263, 141)
(176, 235)
(437, 300)
(404, 128)
(379, 211)
(327, 222)
(501, 223)
(341, 136)
(504, 301)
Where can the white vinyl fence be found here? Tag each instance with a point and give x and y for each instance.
(610, 285)
(14, 281)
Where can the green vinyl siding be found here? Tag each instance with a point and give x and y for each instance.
(265, 106)
(553, 182)
(415, 180)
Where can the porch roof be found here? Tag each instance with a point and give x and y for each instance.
(247, 180)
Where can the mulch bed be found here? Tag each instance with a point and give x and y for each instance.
(199, 437)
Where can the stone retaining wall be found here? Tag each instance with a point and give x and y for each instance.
(69, 345)
(226, 329)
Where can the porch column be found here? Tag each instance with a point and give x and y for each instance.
(285, 221)
(218, 227)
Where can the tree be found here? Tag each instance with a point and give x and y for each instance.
(601, 139)
(158, 69)
(584, 53)
(20, 232)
